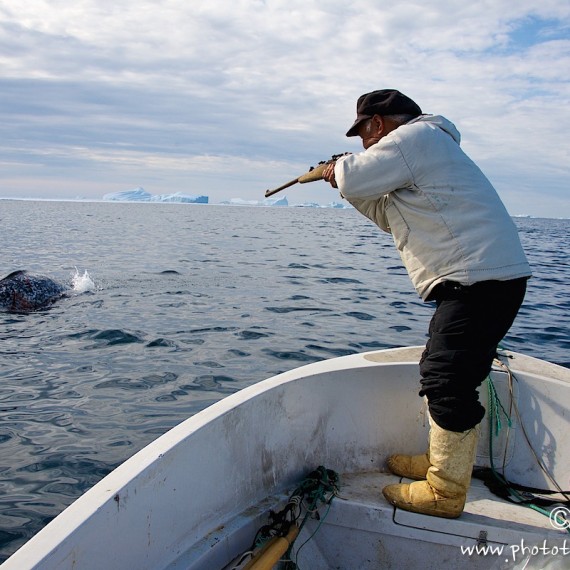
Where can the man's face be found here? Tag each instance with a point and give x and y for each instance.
(370, 131)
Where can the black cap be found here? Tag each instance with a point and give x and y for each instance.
(382, 102)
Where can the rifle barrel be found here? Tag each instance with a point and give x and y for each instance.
(274, 191)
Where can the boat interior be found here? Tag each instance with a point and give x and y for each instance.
(360, 529)
(196, 497)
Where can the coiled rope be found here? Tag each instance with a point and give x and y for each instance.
(526, 496)
(318, 489)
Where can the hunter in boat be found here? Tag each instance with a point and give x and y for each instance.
(461, 249)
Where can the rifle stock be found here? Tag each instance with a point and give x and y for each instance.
(314, 174)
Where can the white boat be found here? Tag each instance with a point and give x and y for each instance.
(195, 497)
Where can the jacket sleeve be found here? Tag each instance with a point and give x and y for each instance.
(374, 209)
(373, 173)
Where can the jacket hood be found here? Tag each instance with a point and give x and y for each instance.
(441, 122)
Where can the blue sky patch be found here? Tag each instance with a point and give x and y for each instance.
(533, 30)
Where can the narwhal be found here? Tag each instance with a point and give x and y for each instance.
(21, 292)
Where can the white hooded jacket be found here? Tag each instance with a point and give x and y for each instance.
(446, 218)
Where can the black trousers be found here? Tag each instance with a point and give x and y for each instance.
(468, 324)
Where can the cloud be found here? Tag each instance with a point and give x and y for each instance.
(177, 94)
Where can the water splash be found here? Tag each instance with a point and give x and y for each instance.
(82, 283)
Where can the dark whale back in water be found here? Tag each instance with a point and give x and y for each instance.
(21, 292)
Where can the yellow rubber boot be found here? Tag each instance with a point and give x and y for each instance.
(410, 466)
(443, 494)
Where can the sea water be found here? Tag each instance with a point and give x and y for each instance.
(174, 306)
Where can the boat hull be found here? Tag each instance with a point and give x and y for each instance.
(193, 497)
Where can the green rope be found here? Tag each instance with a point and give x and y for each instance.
(295, 565)
(495, 409)
(315, 488)
(320, 486)
(495, 426)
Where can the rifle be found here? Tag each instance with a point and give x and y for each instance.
(314, 173)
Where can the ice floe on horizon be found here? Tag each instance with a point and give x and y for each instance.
(265, 202)
(141, 195)
(281, 202)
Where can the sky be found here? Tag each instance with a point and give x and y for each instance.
(230, 98)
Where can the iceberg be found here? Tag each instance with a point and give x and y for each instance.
(141, 195)
(181, 198)
(308, 205)
(276, 201)
(266, 202)
(240, 202)
(282, 202)
(136, 195)
(335, 205)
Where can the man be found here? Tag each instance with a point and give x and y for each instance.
(461, 249)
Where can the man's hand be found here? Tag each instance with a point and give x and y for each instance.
(328, 174)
